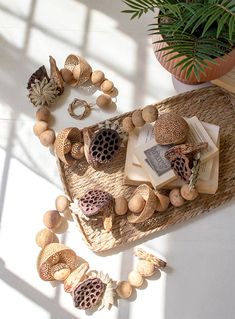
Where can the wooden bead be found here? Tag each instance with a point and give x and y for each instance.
(107, 86)
(77, 150)
(187, 193)
(135, 279)
(127, 124)
(137, 118)
(45, 237)
(175, 197)
(40, 127)
(150, 114)
(103, 100)
(136, 204)
(47, 138)
(43, 114)
(145, 268)
(121, 206)
(124, 289)
(113, 93)
(62, 203)
(52, 219)
(97, 77)
(67, 76)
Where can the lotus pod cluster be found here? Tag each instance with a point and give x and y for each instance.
(95, 201)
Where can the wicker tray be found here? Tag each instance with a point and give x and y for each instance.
(210, 105)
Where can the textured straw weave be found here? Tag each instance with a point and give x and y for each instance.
(211, 105)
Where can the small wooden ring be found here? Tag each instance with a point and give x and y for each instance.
(79, 103)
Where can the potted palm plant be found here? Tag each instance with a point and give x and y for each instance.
(192, 39)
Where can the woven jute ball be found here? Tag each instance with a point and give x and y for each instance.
(51, 255)
(83, 69)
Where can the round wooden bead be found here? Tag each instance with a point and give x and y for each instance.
(107, 86)
(124, 289)
(121, 206)
(97, 77)
(145, 268)
(40, 127)
(47, 138)
(113, 93)
(52, 219)
(77, 150)
(43, 114)
(45, 237)
(187, 193)
(62, 203)
(136, 204)
(175, 197)
(150, 114)
(103, 100)
(127, 124)
(137, 118)
(135, 279)
(67, 76)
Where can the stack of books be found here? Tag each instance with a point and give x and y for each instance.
(146, 163)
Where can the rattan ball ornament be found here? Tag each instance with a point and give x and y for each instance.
(60, 271)
(77, 150)
(43, 114)
(67, 76)
(188, 193)
(52, 219)
(40, 127)
(121, 205)
(135, 279)
(45, 237)
(175, 197)
(107, 86)
(47, 138)
(137, 118)
(97, 77)
(103, 100)
(150, 113)
(136, 204)
(127, 124)
(62, 203)
(124, 289)
(145, 268)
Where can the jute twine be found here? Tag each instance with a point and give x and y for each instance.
(212, 105)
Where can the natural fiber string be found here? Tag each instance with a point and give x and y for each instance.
(77, 103)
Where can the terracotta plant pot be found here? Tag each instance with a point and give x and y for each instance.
(213, 71)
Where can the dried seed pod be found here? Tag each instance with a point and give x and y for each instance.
(77, 150)
(175, 197)
(150, 113)
(124, 289)
(67, 76)
(61, 203)
(145, 268)
(77, 276)
(60, 271)
(121, 206)
(135, 279)
(43, 114)
(47, 138)
(104, 146)
(107, 86)
(187, 193)
(97, 77)
(39, 75)
(163, 202)
(52, 219)
(136, 204)
(55, 75)
(83, 69)
(88, 294)
(40, 127)
(127, 124)
(45, 237)
(67, 146)
(137, 118)
(103, 100)
(143, 255)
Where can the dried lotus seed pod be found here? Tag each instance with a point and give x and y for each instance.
(107, 86)
(77, 150)
(97, 77)
(150, 113)
(52, 219)
(104, 146)
(137, 118)
(145, 268)
(43, 114)
(175, 197)
(88, 294)
(136, 204)
(40, 127)
(127, 124)
(187, 193)
(121, 205)
(45, 237)
(135, 279)
(61, 203)
(124, 289)
(47, 138)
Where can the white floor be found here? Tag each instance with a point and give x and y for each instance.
(199, 283)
